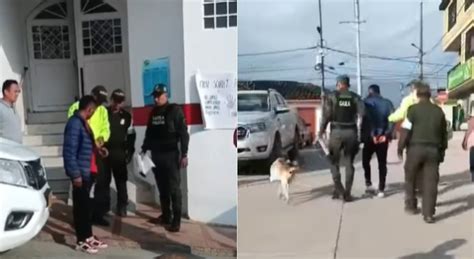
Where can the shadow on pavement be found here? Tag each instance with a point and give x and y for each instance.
(440, 251)
(465, 204)
(122, 231)
(310, 159)
(446, 184)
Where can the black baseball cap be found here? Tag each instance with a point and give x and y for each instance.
(118, 96)
(100, 93)
(343, 79)
(159, 90)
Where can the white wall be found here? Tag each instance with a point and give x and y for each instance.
(12, 54)
(212, 172)
(155, 30)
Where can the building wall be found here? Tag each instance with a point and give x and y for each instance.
(212, 172)
(463, 21)
(12, 54)
(155, 30)
(308, 110)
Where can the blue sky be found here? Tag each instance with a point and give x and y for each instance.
(391, 26)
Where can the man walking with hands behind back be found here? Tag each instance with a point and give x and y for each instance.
(424, 135)
(166, 130)
(376, 135)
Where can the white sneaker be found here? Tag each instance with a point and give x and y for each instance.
(381, 195)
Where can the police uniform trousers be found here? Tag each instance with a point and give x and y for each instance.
(343, 146)
(115, 164)
(168, 178)
(422, 163)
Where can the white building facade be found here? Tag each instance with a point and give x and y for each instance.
(61, 49)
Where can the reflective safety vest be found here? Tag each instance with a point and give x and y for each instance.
(99, 122)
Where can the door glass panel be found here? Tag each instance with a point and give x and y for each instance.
(96, 6)
(51, 42)
(102, 37)
(55, 11)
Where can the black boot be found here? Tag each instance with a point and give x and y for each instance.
(348, 197)
(336, 195)
(429, 219)
(121, 212)
(161, 220)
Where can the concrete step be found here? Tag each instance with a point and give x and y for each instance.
(45, 129)
(51, 151)
(43, 140)
(50, 161)
(47, 117)
(56, 174)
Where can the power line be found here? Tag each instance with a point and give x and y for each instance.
(276, 52)
(382, 58)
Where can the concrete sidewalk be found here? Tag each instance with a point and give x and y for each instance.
(314, 226)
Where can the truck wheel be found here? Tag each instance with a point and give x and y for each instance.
(276, 153)
(293, 153)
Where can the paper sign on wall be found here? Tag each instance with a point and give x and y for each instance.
(155, 72)
(218, 95)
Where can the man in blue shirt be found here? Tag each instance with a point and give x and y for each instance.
(376, 135)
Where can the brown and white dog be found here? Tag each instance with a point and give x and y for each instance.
(284, 171)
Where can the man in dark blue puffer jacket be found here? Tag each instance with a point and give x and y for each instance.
(77, 154)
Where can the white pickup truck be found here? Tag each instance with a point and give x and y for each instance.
(25, 195)
(267, 128)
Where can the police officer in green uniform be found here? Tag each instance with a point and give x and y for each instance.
(343, 109)
(167, 138)
(424, 135)
(121, 148)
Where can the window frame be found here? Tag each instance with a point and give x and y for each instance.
(215, 16)
(469, 44)
(452, 8)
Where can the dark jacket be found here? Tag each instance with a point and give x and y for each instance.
(425, 125)
(375, 122)
(165, 129)
(77, 148)
(329, 109)
(122, 134)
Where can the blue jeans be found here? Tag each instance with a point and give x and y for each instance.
(471, 162)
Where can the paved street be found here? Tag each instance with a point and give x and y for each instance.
(314, 226)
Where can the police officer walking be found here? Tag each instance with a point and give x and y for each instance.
(425, 137)
(167, 138)
(376, 134)
(121, 148)
(342, 109)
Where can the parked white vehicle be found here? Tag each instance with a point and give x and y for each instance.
(267, 128)
(24, 195)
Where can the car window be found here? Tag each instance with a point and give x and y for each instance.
(252, 102)
(281, 100)
(274, 100)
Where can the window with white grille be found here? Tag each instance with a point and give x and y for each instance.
(220, 14)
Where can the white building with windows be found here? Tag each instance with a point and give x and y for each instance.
(61, 49)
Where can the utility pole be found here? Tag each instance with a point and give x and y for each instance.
(321, 55)
(357, 22)
(420, 48)
(321, 46)
(421, 40)
(359, 73)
